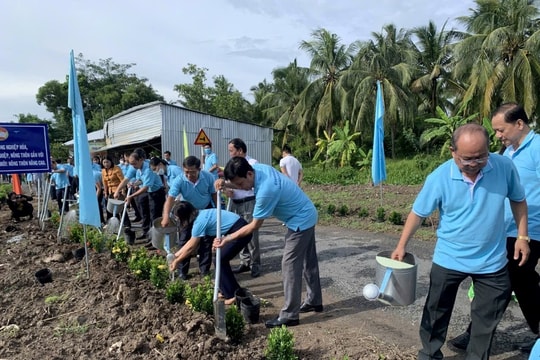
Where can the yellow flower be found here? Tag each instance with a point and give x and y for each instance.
(138, 272)
(160, 338)
(162, 267)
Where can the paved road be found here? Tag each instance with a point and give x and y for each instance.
(347, 263)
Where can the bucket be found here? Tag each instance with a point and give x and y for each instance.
(160, 233)
(115, 203)
(248, 305)
(395, 280)
(79, 253)
(44, 276)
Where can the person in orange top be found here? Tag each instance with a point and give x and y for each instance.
(112, 177)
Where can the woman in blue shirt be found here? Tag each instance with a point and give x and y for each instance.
(203, 224)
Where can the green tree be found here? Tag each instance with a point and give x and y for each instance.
(106, 89)
(320, 105)
(195, 96)
(442, 130)
(434, 65)
(280, 105)
(389, 57)
(498, 58)
(343, 145)
(260, 91)
(228, 102)
(220, 100)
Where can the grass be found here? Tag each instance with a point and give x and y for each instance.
(363, 204)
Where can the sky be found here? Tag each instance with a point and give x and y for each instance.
(243, 40)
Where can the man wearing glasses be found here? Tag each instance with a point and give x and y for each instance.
(469, 191)
(196, 187)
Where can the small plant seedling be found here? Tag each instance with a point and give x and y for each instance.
(280, 344)
(396, 218)
(381, 214)
(235, 324)
(331, 209)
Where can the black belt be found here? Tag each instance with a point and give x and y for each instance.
(241, 201)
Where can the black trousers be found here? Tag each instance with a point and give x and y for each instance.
(156, 201)
(204, 251)
(491, 296)
(526, 282)
(144, 207)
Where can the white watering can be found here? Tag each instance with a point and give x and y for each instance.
(396, 280)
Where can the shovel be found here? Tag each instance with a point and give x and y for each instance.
(219, 305)
(123, 217)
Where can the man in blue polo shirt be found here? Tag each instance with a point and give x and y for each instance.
(196, 187)
(469, 191)
(150, 183)
(276, 195)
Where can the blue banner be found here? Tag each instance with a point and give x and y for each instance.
(24, 148)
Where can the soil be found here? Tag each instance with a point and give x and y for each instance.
(105, 312)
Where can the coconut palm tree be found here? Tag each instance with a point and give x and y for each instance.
(280, 105)
(434, 60)
(389, 57)
(320, 105)
(498, 58)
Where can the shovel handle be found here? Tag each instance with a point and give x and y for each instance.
(218, 251)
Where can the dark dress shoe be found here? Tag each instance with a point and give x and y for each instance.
(277, 322)
(309, 308)
(461, 341)
(240, 269)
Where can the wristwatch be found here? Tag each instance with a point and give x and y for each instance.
(523, 237)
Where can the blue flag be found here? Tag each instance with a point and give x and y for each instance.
(88, 204)
(378, 164)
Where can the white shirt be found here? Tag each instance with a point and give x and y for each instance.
(292, 166)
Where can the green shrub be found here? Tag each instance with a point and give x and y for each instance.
(120, 250)
(343, 210)
(139, 264)
(331, 209)
(235, 324)
(55, 218)
(363, 212)
(159, 272)
(396, 218)
(176, 291)
(280, 344)
(200, 298)
(95, 239)
(75, 232)
(381, 214)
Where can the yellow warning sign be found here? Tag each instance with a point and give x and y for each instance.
(202, 138)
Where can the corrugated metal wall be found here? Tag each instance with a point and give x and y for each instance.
(258, 139)
(147, 121)
(134, 126)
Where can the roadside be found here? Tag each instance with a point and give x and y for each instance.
(347, 263)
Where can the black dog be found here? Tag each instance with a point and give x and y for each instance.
(20, 206)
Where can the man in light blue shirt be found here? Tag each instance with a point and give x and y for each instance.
(469, 191)
(60, 180)
(276, 195)
(196, 187)
(211, 161)
(151, 184)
